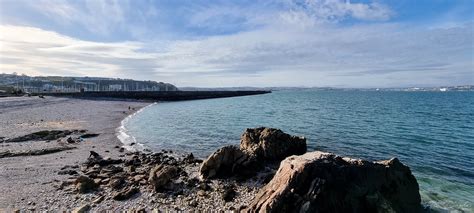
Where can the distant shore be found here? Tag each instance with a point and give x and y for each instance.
(27, 181)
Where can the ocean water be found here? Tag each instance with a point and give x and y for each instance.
(432, 132)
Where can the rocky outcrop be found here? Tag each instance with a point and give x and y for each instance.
(271, 144)
(46, 135)
(256, 146)
(226, 161)
(324, 182)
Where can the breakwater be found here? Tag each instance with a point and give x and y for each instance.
(158, 95)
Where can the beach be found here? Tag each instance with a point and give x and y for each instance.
(27, 181)
(36, 180)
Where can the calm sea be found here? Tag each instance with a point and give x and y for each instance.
(432, 132)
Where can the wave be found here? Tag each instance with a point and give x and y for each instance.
(129, 142)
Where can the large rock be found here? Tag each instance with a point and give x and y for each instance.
(324, 182)
(85, 184)
(257, 146)
(162, 175)
(271, 144)
(226, 161)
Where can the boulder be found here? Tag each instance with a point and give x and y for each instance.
(226, 161)
(271, 144)
(85, 184)
(162, 175)
(324, 182)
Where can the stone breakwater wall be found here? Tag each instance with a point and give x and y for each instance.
(158, 95)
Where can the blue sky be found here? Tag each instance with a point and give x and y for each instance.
(243, 43)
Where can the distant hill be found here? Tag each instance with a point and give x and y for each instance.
(75, 84)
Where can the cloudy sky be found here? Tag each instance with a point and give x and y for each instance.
(243, 43)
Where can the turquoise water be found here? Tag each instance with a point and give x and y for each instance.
(432, 132)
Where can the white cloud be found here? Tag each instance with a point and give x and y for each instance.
(34, 51)
(371, 55)
(302, 45)
(320, 11)
(98, 16)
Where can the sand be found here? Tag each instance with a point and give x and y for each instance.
(27, 182)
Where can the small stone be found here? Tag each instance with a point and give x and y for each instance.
(116, 183)
(98, 199)
(193, 203)
(201, 193)
(204, 186)
(228, 194)
(97, 181)
(82, 209)
(125, 193)
(138, 178)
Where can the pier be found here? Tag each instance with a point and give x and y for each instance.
(156, 95)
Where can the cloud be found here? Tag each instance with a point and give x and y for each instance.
(320, 11)
(325, 56)
(282, 43)
(39, 52)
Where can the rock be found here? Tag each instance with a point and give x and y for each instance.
(125, 193)
(229, 194)
(111, 169)
(82, 209)
(94, 158)
(161, 175)
(271, 144)
(85, 184)
(193, 203)
(70, 140)
(227, 161)
(138, 178)
(324, 182)
(98, 200)
(67, 172)
(44, 151)
(116, 182)
(189, 158)
(204, 186)
(89, 135)
(46, 135)
(201, 193)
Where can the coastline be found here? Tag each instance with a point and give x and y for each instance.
(29, 181)
(42, 182)
(128, 141)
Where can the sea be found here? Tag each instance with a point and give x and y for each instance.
(431, 132)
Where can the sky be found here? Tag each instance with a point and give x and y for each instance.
(335, 43)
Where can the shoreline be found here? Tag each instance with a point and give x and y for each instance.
(126, 139)
(47, 181)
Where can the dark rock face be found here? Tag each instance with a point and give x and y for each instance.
(226, 161)
(271, 144)
(256, 146)
(324, 182)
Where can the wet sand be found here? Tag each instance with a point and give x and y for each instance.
(27, 182)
